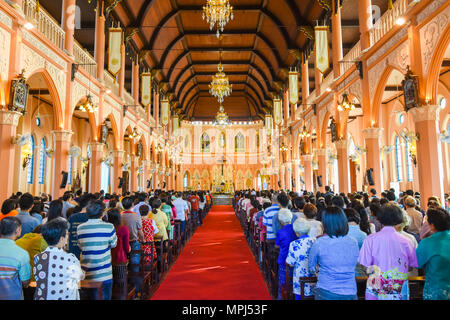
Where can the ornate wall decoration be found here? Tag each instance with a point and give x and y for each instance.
(433, 6)
(388, 45)
(430, 35)
(5, 19)
(356, 90)
(374, 76)
(5, 46)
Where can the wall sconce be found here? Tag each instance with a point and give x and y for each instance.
(27, 152)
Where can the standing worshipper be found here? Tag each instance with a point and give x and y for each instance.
(96, 238)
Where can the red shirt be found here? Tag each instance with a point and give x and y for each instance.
(119, 253)
(194, 200)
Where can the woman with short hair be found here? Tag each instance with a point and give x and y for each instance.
(298, 257)
(336, 254)
(388, 256)
(57, 273)
(433, 254)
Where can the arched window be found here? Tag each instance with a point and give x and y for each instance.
(69, 174)
(409, 169)
(42, 162)
(30, 170)
(239, 143)
(398, 159)
(186, 180)
(205, 142)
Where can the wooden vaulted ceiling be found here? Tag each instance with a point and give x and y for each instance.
(256, 48)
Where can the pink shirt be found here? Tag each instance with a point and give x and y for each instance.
(389, 255)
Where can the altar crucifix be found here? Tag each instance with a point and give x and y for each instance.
(222, 161)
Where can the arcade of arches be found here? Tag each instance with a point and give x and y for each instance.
(125, 146)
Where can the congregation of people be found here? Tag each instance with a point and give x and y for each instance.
(48, 247)
(335, 239)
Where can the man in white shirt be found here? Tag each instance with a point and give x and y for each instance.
(142, 201)
(182, 209)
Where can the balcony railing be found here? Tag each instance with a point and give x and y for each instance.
(387, 21)
(110, 83)
(44, 22)
(83, 57)
(352, 55)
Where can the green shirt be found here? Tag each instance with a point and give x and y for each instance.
(433, 253)
(33, 243)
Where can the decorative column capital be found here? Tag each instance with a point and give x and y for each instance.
(62, 135)
(118, 153)
(96, 146)
(372, 133)
(321, 152)
(307, 157)
(10, 118)
(341, 144)
(426, 113)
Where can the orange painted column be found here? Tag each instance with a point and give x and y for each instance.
(147, 167)
(156, 109)
(365, 22)
(117, 169)
(8, 127)
(336, 33)
(288, 178)
(305, 83)
(156, 177)
(286, 107)
(296, 176)
(429, 152)
(16, 4)
(95, 168)
(343, 163)
(60, 159)
(134, 166)
(69, 25)
(323, 166)
(100, 42)
(283, 177)
(122, 73)
(318, 81)
(308, 174)
(373, 156)
(135, 72)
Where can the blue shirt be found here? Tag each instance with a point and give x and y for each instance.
(14, 269)
(356, 233)
(337, 259)
(268, 220)
(28, 222)
(75, 220)
(284, 238)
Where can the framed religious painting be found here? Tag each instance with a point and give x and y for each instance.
(104, 135)
(19, 94)
(410, 90)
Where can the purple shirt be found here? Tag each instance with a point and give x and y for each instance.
(389, 254)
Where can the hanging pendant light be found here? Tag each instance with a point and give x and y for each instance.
(346, 104)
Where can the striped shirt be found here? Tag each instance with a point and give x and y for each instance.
(267, 220)
(96, 238)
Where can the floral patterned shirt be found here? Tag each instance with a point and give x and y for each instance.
(298, 257)
(388, 256)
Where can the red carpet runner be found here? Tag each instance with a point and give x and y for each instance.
(216, 264)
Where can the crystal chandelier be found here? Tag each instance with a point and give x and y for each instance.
(305, 133)
(346, 104)
(87, 105)
(217, 11)
(220, 86)
(222, 119)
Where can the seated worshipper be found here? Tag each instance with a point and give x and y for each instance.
(33, 243)
(9, 207)
(415, 215)
(336, 254)
(298, 257)
(298, 205)
(388, 256)
(256, 207)
(284, 238)
(167, 209)
(405, 225)
(133, 221)
(54, 211)
(38, 212)
(354, 229)
(149, 228)
(119, 253)
(58, 273)
(316, 228)
(29, 222)
(283, 201)
(95, 239)
(433, 254)
(375, 208)
(15, 261)
(161, 220)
